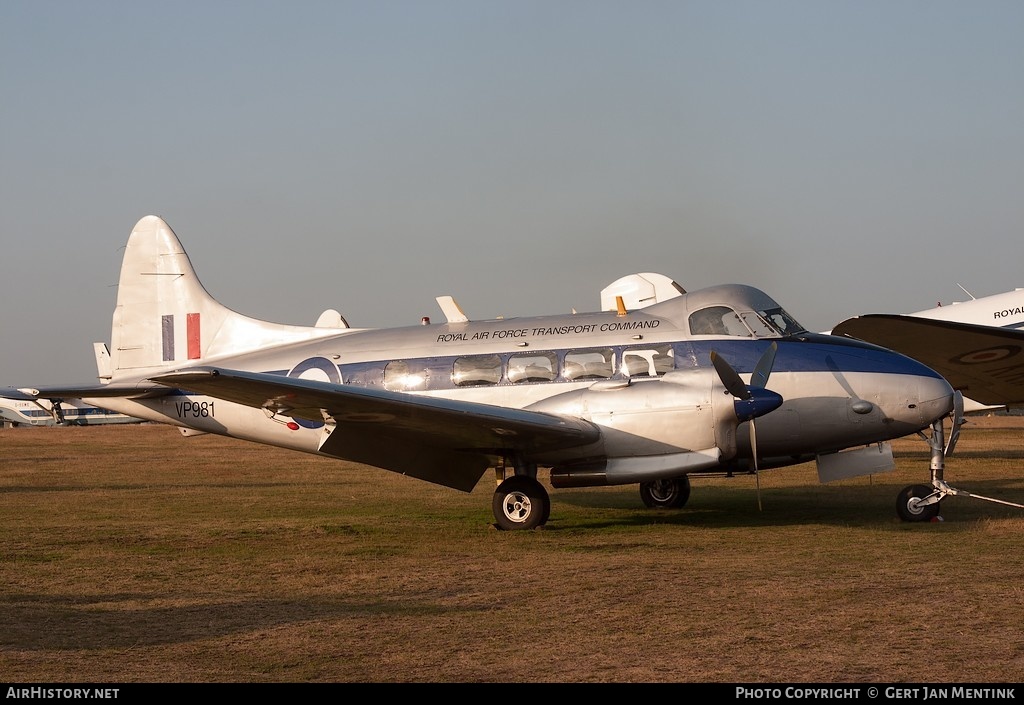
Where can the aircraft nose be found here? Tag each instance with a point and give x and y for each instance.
(935, 398)
(928, 396)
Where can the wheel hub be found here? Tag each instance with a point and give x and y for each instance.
(517, 507)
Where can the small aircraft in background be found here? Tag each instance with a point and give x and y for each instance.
(977, 345)
(625, 396)
(29, 411)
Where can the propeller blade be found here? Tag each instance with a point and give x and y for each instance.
(754, 400)
(729, 378)
(753, 444)
(753, 453)
(763, 368)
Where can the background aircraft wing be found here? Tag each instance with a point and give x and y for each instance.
(443, 441)
(984, 362)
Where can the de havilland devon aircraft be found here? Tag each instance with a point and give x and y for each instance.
(615, 397)
(977, 345)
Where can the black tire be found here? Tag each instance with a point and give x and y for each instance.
(520, 502)
(911, 511)
(666, 494)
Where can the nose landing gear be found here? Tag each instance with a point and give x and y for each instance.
(917, 503)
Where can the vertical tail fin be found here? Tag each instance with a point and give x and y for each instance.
(165, 318)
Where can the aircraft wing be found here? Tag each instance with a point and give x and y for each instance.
(984, 362)
(443, 441)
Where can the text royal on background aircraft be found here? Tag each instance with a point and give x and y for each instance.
(641, 396)
(977, 345)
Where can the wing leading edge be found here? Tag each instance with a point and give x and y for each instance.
(447, 442)
(984, 362)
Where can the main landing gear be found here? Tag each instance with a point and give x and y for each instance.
(520, 501)
(917, 503)
(666, 494)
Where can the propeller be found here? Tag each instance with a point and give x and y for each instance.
(752, 400)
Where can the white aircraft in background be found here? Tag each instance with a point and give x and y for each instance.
(28, 411)
(20, 409)
(977, 345)
(642, 396)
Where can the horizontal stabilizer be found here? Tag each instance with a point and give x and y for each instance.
(105, 391)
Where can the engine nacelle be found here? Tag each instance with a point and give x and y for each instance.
(682, 412)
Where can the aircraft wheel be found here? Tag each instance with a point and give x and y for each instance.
(908, 508)
(520, 502)
(666, 494)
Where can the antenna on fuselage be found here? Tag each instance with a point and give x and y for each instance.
(451, 309)
(966, 292)
(620, 306)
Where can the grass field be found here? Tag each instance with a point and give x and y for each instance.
(131, 554)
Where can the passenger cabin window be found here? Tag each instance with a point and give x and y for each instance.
(401, 376)
(594, 363)
(648, 362)
(717, 320)
(476, 370)
(532, 367)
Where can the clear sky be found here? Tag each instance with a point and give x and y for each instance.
(845, 157)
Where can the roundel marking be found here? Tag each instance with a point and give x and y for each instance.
(993, 354)
(315, 368)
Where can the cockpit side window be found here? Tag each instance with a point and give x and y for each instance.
(782, 322)
(758, 325)
(717, 320)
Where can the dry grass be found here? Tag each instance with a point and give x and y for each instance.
(133, 555)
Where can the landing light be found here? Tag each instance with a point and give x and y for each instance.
(862, 407)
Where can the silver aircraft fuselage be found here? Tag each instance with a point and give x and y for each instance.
(838, 393)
